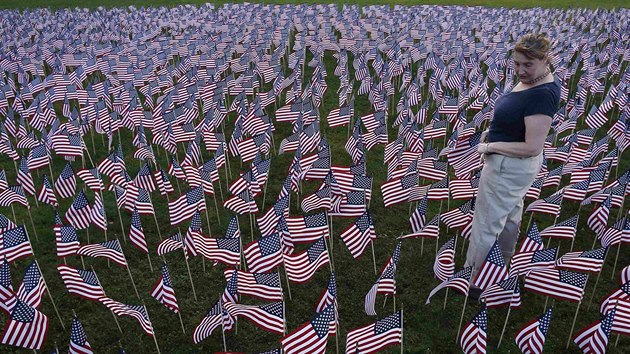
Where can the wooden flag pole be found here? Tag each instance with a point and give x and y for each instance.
(222, 326)
(573, 325)
(32, 223)
(216, 207)
(251, 227)
(590, 301)
(330, 263)
(374, 258)
(192, 284)
(48, 292)
(461, 319)
(402, 328)
(122, 226)
(616, 258)
(157, 226)
(131, 277)
(154, 337)
(504, 325)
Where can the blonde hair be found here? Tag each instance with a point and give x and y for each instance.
(534, 46)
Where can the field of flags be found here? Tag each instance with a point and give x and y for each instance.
(302, 179)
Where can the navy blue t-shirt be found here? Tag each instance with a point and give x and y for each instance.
(510, 110)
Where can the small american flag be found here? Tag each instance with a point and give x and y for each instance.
(269, 317)
(376, 336)
(139, 312)
(359, 235)
(587, 261)
(79, 214)
(474, 335)
(264, 254)
(136, 233)
(493, 269)
(163, 290)
(15, 244)
(184, 207)
(531, 338)
(532, 241)
(264, 286)
(216, 316)
(505, 292)
(460, 281)
(26, 328)
(386, 282)
(444, 264)
(594, 338)
(46, 193)
(109, 249)
(559, 284)
(66, 182)
(565, 229)
(308, 228)
(78, 339)
(312, 336)
(524, 262)
(301, 267)
(33, 286)
(81, 282)
(7, 296)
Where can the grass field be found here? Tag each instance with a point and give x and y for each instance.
(428, 328)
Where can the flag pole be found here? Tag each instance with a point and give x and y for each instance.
(48, 292)
(122, 226)
(573, 325)
(616, 258)
(154, 337)
(590, 302)
(32, 223)
(222, 326)
(402, 328)
(461, 318)
(130, 276)
(505, 324)
(192, 284)
(374, 257)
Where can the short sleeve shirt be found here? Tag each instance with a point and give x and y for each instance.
(510, 110)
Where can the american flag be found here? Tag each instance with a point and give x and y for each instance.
(144, 178)
(81, 282)
(524, 262)
(79, 214)
(474, 335)
(33, 286)
(7, 295)
(565, 229)
(14, 194)
(598, 220)
(429, 230)
(549, 205)
(38, 156)
(493, 269)
(594, 338)
(308, 228)
(264, 254)
(587, 261)
(216, 316)
(532, 241)
(98, 213)
(184, 207)
(24, 177)
(264, 286)
(66, 183)
(320, 199)
(460, 216)
(559, 284)
(170, 244)
(376, 336)
(15, 244)
(225, 250)
(164, 184)
(460, 281)
(269, 317)
(329, 296)
(418, 217)
(163, 290)
(444, 264)
(46, 193)
(242, 203)
(26, 328)
(401, 190)
(464, 188)
(268, 221)
(136, 233)
(312, 336)
(139, 312)
(531, 338)
(386, 282)
(359, 235)
(92, 179)
(619, 299)
(301, 267)
(138, 198)
(109, 249)
(505, 292)
(78, 339)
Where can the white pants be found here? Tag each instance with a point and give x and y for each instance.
(503, 184)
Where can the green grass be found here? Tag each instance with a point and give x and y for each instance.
(428, 328)
(55, 4)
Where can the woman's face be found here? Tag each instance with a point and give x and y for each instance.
(528, 69)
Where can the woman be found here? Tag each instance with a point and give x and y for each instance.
(512, 148)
